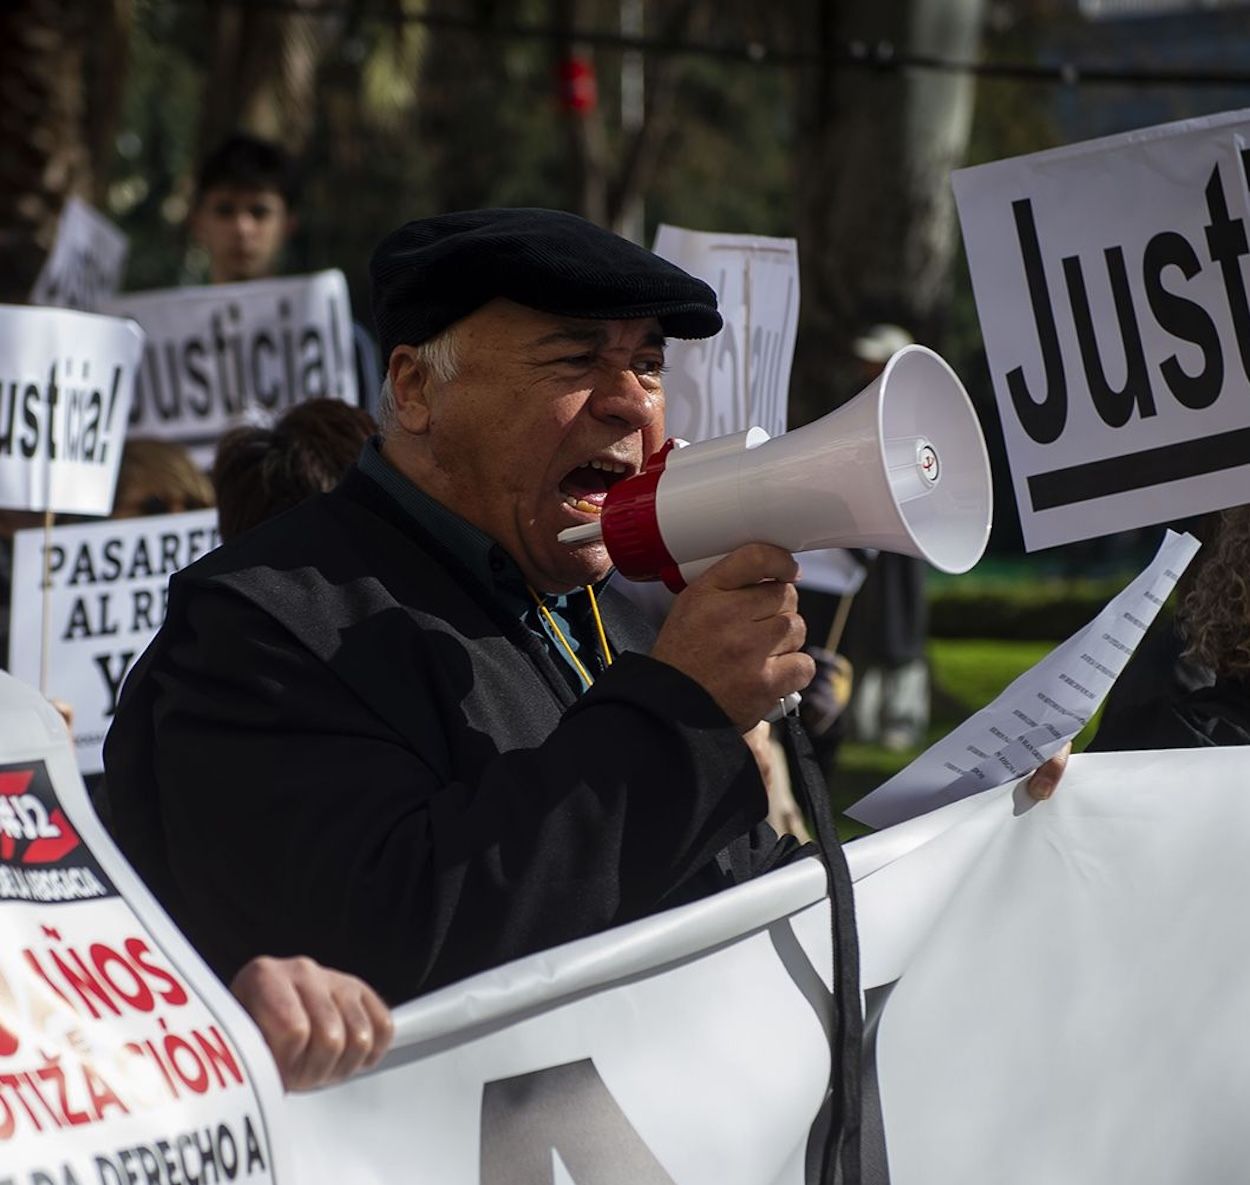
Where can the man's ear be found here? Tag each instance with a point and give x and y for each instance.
(411, 383)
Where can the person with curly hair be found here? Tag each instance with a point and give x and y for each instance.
(1213, 625)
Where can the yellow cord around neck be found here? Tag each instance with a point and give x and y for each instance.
(553, 625)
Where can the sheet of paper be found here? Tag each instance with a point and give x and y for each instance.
(1044, 708)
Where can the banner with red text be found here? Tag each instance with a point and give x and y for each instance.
(122, 1058)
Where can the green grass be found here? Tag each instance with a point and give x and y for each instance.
(966, 675)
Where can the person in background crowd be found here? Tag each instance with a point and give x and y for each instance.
(260, 472)
(889, 621)
(158, 477)
(1205, 700)
(244, 212)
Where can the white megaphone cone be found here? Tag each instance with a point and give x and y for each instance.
(902, 467)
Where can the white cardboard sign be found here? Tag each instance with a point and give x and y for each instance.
(65, 386)
(1110, 284)
(741, 377)
(219, 355)
(84, 267)
(107, 600)
(122, 1058)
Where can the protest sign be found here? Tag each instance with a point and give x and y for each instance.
(85, 264)
(1056, 992)
(1109, 285)
(122, 1058)
(109, 584)
(741, 377)
(684, 1049)
(218, 355)
(65, 392)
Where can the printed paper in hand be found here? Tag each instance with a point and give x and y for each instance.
(1042, 710)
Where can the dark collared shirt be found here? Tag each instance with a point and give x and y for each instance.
(495, 569)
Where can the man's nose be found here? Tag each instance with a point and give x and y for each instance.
(622, 396)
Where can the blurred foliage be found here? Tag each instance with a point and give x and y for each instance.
(1023, 609)
(410, 120)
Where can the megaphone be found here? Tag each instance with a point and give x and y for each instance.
(902, 467)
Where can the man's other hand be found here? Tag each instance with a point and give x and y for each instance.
(1044, 780)
(736, 630)
(320, 1025)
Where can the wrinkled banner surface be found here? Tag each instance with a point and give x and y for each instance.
(1059, 991)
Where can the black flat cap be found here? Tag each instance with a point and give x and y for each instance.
(431, 273)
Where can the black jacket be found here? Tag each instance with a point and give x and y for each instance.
(339, 746)
(1205, 716)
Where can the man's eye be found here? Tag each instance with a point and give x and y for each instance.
(651, 366)
(579, 360)
(260, 213)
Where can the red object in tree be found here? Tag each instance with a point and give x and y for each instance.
(579, 89)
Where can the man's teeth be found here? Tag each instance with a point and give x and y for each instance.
(609, 466)
(582, 505)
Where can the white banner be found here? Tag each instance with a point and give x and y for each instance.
(122, 1058)
(221, 354)
(109, 584)
(1056, 992)
(1112, 297)
(741, 377)
(86, 262)
(65, 386)
(685, 1049)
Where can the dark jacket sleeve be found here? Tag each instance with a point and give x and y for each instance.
(296, 821)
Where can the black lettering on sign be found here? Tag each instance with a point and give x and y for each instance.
(1115, 407)
(1045, 419)
(272, 362)
(113, 668)
(566, 1111)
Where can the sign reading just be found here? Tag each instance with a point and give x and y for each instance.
(1110, 284)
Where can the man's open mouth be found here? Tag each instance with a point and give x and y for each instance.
(585, 487)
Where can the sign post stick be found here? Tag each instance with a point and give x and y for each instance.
(45, 616)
